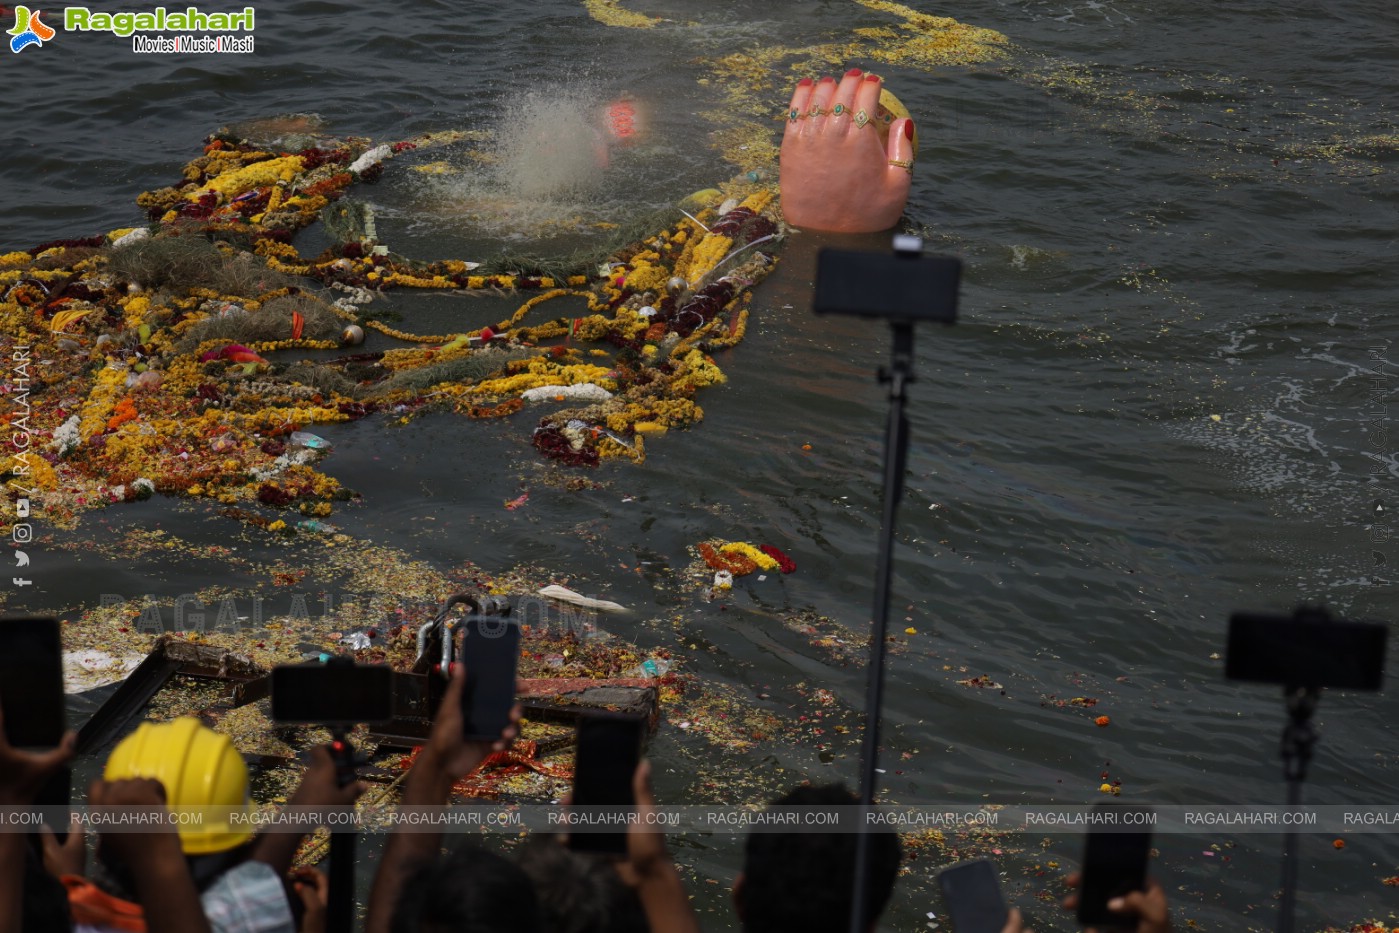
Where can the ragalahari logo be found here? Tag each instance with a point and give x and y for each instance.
(28, 30)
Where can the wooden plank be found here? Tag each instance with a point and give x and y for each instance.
(546, 699)
(210, 662)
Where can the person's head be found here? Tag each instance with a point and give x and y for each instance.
(578, 894)
(198, 768)
(469, 891)
(803, 882)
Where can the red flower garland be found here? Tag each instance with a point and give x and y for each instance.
(784, 563)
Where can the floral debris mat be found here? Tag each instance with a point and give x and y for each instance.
(145, 350)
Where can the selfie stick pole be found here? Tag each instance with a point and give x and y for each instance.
(901, 288)
(340, 911)
(1297, 739)
(897, 377)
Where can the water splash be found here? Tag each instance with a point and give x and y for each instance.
(551, 146)
(540, 173)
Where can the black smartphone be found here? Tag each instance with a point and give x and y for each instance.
(1308, 649)
(1115, 858)
(972, 893)
(490, 652)
(609, 749)
(338, 691)
(31, 696)
(31, 682)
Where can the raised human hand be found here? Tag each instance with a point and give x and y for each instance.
(1149, 907)
(446, 749)
(23, 773)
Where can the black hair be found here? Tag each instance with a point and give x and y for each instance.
(803, 882)
(578, 893)
(470, 891)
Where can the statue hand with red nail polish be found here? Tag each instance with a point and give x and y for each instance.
(847, 159)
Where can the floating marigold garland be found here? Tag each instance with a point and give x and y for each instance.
(156, 398)
(741, 558)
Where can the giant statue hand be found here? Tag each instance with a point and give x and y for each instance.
(838, 173)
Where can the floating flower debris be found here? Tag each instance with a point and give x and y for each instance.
(981, 681)
(740, 558)
(156, 344)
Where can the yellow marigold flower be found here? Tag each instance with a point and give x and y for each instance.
(260, 174)
(136, 307)
(750, 552)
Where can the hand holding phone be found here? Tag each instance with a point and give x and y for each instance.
(972, 893)
(36, 745)
(609, 750)
(1114, 864)
(1148, 910)
(447, 755)
(490, 652)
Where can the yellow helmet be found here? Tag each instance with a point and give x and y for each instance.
(198, 768)
(891, 109)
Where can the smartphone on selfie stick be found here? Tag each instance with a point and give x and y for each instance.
(32, 699)
(1304, 653)
(339, 695)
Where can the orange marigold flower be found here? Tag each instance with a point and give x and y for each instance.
(1102, 721)
(125, 411)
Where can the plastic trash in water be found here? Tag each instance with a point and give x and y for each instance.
(651, 667)
(356, 641)
(312, 524)
(564, 594)
(723, 580)
(575, 424)
(309, 440)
